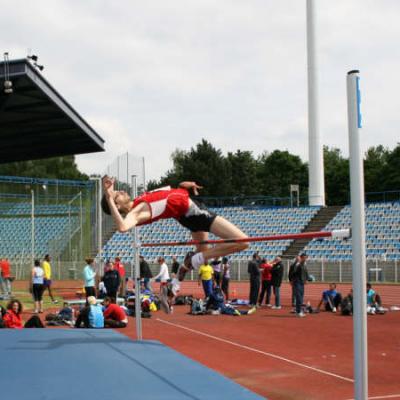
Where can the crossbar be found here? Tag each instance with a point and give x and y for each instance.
(339, 233)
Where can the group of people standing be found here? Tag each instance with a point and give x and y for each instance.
(265, 279)
(111, 283)
(41, 280)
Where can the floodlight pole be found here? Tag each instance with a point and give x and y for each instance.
(316, 189)
(136, 245)
(358, 239)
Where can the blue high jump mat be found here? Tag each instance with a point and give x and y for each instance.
(70, 364)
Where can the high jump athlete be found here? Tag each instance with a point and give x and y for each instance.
(166, 203)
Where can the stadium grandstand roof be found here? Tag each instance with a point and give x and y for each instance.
(36, 121)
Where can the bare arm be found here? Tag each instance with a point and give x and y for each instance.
(139, 214)
(191, 185)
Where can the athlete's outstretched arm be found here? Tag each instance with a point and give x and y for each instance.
(140, 214)
(191, 185)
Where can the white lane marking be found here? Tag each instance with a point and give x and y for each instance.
(389, 396)
(321, 371)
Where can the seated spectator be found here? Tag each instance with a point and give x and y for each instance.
(2, 312)
(374, 302)
(330, 298)
(216, 305)
(346, 305)
(91, 316)
(13, 319)
(114, 315)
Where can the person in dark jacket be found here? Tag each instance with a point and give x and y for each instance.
(111, 280)
(145, 273)
(298, 276)
(253, 269)
(174, 267)
(277, 275)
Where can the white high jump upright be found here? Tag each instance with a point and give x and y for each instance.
(136, 245)
(358, 238)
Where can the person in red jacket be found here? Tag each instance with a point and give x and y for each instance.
(12, 319)
(266, 282)
(114, 315)
(166, 203)
(5, 270)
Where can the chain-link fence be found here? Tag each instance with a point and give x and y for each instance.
(46, 216)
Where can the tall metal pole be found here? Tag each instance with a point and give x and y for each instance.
(316, 189)
(32, 226)
(136, 245)
(358, 239)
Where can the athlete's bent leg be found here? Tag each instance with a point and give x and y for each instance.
(225, 230)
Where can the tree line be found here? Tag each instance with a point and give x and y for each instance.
(243, 174)
(271, 174)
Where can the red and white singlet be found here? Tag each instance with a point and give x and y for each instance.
(164, 203)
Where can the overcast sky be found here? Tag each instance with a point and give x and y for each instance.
(153, 76)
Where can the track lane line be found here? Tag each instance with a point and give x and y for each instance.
(388, 396)
(321, 371)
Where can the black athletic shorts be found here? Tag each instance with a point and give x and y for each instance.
(198, 218)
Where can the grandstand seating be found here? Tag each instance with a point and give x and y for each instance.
(254, 221)
(52, 226)
(382, 221)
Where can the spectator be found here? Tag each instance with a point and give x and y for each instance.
(266, 282)
(175, 267)
(277, 276)
(347, 304)
(298, 276)
(47, 276)
(111, 280)
(38, 286)
(163, 278)
(374, 302)
(5, 276)
(254, 272)
(13, 319)
(330, 298)
(217, 267)
(226, 277)
(206, 273)
(2, 312)
(89, 275)
(118, 266)
(114, 315)
(216, 304)
(91, 316)
(145, 273)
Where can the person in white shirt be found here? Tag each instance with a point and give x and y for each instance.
(164, 279)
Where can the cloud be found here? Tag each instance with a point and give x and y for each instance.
(154, 76)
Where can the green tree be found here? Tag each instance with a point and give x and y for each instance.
(391, 170)
(52, 168)
(375, 163)
(204, 164)
(243, 170)
(278, 170)
(337, 181)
